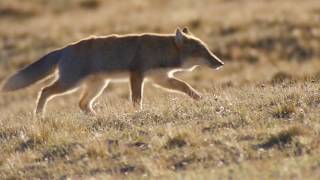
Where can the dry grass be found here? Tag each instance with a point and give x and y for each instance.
(259, 118)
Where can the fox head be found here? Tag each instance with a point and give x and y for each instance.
(193, 51)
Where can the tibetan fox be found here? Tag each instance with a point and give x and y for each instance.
(93, 62)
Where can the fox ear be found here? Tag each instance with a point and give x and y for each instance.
(180, 37)
(185, 30)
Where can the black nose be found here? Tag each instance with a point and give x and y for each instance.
(218, 61)
(221, 63)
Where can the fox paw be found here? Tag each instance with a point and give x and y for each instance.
(88, 111)
(196, 96)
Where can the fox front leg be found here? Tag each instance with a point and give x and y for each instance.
(179, 85)
(171, 83)
(136, 86)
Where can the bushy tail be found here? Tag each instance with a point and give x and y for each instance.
(34, 72)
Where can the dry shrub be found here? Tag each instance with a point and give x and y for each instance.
(17, 11)
(90, 4)
(282, 77)
(284, 110)
(176, 142)
(283, 138)
(97, 150)
(55, 152)
(8, 133)
(28, 144)
(316, 77)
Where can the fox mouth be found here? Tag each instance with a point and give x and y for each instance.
(218, 66)
(216, 63)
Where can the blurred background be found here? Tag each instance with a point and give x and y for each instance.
(260, 40)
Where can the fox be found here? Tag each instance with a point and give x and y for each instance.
(92, 63)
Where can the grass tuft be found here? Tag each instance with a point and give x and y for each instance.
(90, 4)
(282, 138)
(176, 142)
(282, 77)
(285, 110)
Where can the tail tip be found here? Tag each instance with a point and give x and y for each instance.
(8, 86)
(5, 88)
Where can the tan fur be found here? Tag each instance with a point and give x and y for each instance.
(92, 89)
(93, 62)
(175, 84)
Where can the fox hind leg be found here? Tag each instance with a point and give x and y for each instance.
(50, 91)
(92, 90)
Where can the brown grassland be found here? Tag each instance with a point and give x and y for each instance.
(259, 118)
